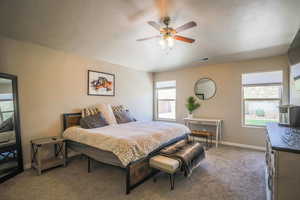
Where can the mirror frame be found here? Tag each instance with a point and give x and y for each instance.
(20, 168)
(210, 80)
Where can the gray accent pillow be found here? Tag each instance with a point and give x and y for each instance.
(124, 116)
(93, 121)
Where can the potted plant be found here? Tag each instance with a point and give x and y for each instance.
(191, 105)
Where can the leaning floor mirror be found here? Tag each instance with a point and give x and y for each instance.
(11, 162)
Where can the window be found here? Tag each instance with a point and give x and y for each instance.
(6, 106)
(261, 97)
(165, 100)
(295, 72)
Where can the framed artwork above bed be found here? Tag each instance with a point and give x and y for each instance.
(101, 83)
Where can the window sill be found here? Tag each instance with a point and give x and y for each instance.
(166, 120)
(249, 126)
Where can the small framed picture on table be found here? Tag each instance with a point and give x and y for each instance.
(101, 83)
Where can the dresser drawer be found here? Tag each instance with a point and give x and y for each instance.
(270, 159)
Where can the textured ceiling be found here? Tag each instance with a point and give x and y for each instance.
(227, 30)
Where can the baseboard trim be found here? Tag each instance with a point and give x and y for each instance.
(245, 146)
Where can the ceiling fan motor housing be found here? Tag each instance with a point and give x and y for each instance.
(167, 31)
(166, 21)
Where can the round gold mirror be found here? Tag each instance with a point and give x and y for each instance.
(205, 89)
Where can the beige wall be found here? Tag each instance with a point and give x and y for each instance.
(227, 102)
(53, 82)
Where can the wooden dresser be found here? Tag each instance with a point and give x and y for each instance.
(283, 163)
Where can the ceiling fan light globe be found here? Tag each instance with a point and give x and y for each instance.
(170, 41)
(162, 43)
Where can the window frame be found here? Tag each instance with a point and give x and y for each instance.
(258, 99)
(157, 100)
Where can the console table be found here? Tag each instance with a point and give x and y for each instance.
(207, 121)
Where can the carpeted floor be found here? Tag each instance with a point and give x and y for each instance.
(226, 173)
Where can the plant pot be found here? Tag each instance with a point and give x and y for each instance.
(190, 115)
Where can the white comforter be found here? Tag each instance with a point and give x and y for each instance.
(130, 141)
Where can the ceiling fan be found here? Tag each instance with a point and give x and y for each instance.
(168, 34)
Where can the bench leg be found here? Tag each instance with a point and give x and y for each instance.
(154, 179)
(172, 180)
(89, 165)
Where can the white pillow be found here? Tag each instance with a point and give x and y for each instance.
(107, 113)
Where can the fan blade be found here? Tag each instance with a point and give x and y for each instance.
(154, 25)
(183, 39)
(148, 38)
(186, 26)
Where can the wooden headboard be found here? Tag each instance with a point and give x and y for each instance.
(71, 119)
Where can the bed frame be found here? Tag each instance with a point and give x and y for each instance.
(137, 172)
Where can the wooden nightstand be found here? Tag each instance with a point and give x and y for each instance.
(58, 159)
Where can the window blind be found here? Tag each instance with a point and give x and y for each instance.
(274, 77)
(165, 84)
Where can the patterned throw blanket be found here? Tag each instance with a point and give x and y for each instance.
(188, 154)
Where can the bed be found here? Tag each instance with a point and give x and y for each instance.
(128, 146)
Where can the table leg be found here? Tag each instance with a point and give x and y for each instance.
(220, 130)
(217, 135)
(55, 150)
(31, 153)
(39, 162)
(64, 154)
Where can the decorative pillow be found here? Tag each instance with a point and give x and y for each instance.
(118, 108)
(89, 111)
(122, 114)
(124, 117)
(107, 113)
(7, 125)
(93, 121)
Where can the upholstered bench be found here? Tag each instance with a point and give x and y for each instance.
(167, 165)
(182, 156)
